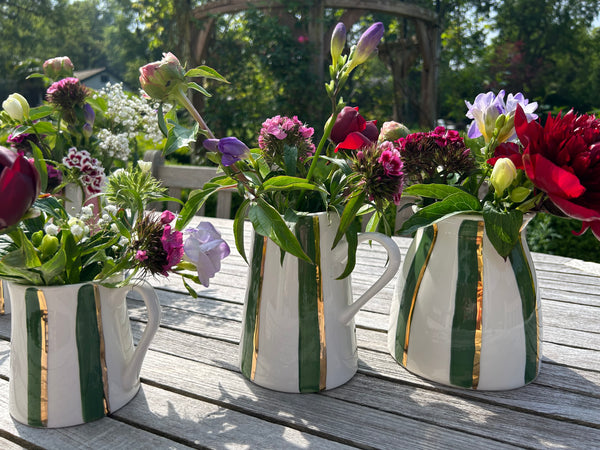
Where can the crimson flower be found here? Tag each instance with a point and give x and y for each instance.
(562, 159)
(351, 131)
(508, 150)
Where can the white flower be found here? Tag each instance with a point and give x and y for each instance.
(114, 228)
(111, 209)
(51, 229)
(123, 241)
(145, 166)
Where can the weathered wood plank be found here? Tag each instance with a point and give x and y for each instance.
(5, 444)
(106, 433)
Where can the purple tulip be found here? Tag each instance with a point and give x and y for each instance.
(231, 148)
(205, 248)
(367, 44)
(19, 186)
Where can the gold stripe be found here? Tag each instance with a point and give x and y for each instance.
(415, 292)
(477, 356)
(321, 307)
(102, 348)
(1, 297)
(257, 321)
(43, 359)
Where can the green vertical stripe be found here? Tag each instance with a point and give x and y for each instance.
(34, 317)
(308, 334)
(88, 351)
(524, 278)
(410, 287)
(462, 347)
(252, 304)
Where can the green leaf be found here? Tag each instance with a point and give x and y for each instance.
(290, 158)
(40, 112)
(268, 222)
(54, 267)
(352, 239)
(180, 137)
(454, 204)
(205, 72)
(162, 125)
(197, 87)
(238, 228)
(287, 183)
(198, 197)
(40, 165)
(502, 228)
(437, 191)
(350, 210)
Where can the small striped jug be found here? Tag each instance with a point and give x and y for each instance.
(72, 357)
(462, 315)
(298, 325)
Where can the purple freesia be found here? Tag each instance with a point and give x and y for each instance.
(205, 248)
(231, 148)
(487, 108)
(367, 44)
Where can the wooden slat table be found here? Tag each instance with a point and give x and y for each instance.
(193, 394)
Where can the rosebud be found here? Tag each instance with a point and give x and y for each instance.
(367, 44)
(392, 131)
(338, 40)
(59, 67)
(16, 106)
(503, 174)
(161, 78)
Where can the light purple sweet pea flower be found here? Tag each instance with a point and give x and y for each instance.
(231, 148)
(205, 248)
(487, 108)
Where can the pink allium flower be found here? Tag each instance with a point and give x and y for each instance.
(67, 93)
(167, 217)
(141, 255)
(280, 131)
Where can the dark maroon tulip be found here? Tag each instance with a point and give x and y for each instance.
(19, 186)
(347, 121)
(371, 132)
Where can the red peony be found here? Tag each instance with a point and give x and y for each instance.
(563, 159)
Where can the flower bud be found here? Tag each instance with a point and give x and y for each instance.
(367, 44)
(503, 174)
(36, 238)
(161, 78)
(16, 106)
(49, 245)
(338, 40)
(59, 67)
(392, 131)
(519, 194)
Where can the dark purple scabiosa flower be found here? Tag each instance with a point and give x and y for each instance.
(438, 156)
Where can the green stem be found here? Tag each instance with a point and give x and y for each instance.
(326, 132)
(187, 104)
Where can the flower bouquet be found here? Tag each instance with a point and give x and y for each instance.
(351, 171)
(515, 166)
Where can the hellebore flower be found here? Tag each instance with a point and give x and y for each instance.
(205, 248)
(16, 106)
(162, 79)
(59, 67)
(19, 186)
(231, 148)
(503, 174)
(338, 40)
(563, 159)
(486, 110)
(367, 43)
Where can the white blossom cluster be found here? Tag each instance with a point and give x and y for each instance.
(114, 145)
(130, 116)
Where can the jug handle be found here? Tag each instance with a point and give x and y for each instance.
(132, 371)
(393, 265)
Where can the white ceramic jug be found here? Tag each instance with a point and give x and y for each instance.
(298, 326)
(72, 354)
